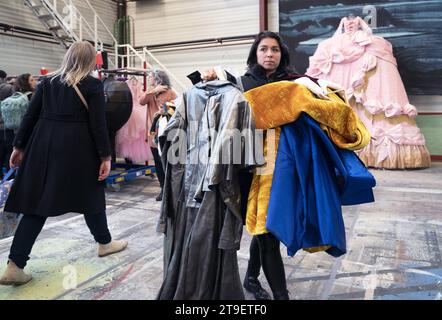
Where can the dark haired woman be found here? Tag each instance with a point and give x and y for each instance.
(268, 61)
(25, 83)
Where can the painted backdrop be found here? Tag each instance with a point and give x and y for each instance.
(413, 27)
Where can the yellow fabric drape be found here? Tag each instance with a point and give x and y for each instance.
(259, 195)
(282, 102)
(279, 103)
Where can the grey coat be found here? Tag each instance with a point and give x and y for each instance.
(201, 209)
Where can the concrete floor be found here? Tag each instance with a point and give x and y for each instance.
(394, 249)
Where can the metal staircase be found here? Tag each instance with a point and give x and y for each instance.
(67, 25)
(53, 21)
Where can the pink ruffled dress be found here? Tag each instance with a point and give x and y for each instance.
(130, 141)
(365, 66)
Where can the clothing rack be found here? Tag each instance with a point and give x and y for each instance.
(124, 172)
(129, 71)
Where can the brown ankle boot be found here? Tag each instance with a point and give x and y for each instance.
(112, 247)
(14, 276)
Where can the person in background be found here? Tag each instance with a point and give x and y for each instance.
(6, 91)
(24, 84)
(154, 99)
(160, 120)
(62, 148)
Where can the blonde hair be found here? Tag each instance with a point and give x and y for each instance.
(78, 62)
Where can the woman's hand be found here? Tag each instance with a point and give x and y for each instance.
(160, 88)
(16, 158)
(104, 171)
(209, 75)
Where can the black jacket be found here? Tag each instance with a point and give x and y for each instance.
(62, 143)
(256, 77)
(6, 90)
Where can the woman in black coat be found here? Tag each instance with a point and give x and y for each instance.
(62, 149)
(268, 61)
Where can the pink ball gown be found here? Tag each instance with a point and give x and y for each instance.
(130, 141)
(365, 66)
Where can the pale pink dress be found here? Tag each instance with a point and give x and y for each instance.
(365, 66)
(130, 141)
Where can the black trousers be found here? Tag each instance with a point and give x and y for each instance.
(30, 227)
(158, 166)
(6, 140)
(264, 250)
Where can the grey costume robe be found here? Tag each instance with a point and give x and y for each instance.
(201, 209)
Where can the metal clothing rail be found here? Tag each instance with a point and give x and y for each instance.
(129, 71)
(126, 71)
(133, 73)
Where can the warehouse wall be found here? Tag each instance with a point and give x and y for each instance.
(28, 56)
(171, 21)
(23, 55)
(159, 22)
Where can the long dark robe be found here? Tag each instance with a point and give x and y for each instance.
(201, 209)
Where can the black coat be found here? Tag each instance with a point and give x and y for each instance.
(256, 77)
(62, 144)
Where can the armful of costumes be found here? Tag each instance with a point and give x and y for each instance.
(279, 103)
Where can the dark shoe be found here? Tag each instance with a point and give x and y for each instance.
(159, 196)
(253, 286)
(281, 296)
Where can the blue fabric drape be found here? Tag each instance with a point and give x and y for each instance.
(312, 179)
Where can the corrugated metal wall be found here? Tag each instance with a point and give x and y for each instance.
(107, 11)
(28, 56)
(15, 13)
(159, 22)
(169, 21)
(22, 55)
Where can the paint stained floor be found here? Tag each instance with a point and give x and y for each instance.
(394, 249)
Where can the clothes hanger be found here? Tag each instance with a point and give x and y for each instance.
(133, 78)
(220, 73)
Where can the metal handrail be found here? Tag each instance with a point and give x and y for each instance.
(102, 22)
(88, 27)
(135, 53)
(93, 33)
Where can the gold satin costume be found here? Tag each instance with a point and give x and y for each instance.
(280, 103)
